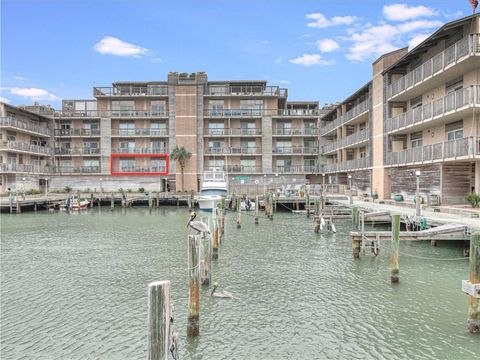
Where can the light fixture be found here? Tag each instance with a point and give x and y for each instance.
(417, 173)
(349, 176)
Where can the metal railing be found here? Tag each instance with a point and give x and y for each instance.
(345, 118)
(295, 131)
(466, 46)
(259, 112)
(296, 169)
(298, 112)
(78, 114)
(156, 90)
(349, 165)
(358, 137)
(246, 90)
(22, 168)
(448, 150)
(140, 132)
(295, 150)
(469, 96)
(77, 169)
(232, 150)
(232, 131)
(235, 169)
(139, 150)
(14, 145)
(24, 125)
(77, 151)
(77, 132)
(111, 113)
(140, 169)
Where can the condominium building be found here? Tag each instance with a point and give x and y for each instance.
(26, 148)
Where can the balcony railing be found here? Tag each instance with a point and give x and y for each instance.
(345, 118)
(22, 168)
(232, 132)
(295, 150)
(77, 132)
(139, 150)
(295, 131)
(77, 151)
(235, 112)
(78, 114)
(14, 145)
(466, 97)
(140, 169)
(233, 169)
(24, 125)
(296, 169)
(157, 90)
(358, 137)
(467, 45)
(298, 112)
(246, 90)
(140, 132)
(349, 165)
(233, 151)
(449, 150)
(111, 113)
(77, 169)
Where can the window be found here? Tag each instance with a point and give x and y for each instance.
(11, 116)
(11, 136)
(158, 128)
(248, 165)
(216, 147)
(127, 165)
(254, 107)
(310, 144)
(122, 107)
(12, 159)
(455, 134)
(216, 128)
(127, 128)
(363, 152)
(284, 164)
(248, 147)
(91, 165)
(216, 107)
(91, 147)
(247, 128)
(284, 146)
(218, 90)
(65, 145)
(65, 165)
(20, 158)
(416, 139)
(158, 146)
(157, 107)
(158, 164)
(416, 102)
(216, 164)
(127, 145)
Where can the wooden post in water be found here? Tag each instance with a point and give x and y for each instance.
(214, 234)
(473, 321)
(112, 201)
(159, 315)
(150, 201)
(158, 199)
(178, 201)
(222, 218)
(307, 204)
(193, 324)
(238, 214)
(355, 216)
(35, 206)
(205, 261)
(91, 201)
(271, 205)
(256, 210)
(395, 248)
(317, 217)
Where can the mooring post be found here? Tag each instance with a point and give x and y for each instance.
(307, 205)
(395, 248)
(150, 201)
(206, 254)
(159, 316)
(271, 206)
(112, 202)
(362, 230)
(355, 216)
(212, 231)
(233, 202)
(193, 324)
(91, 201)
(178, 201)
(473, 321)
(238, 214)
(256, 210)
(222, 218)
(35, 206)
(317, 217)
(158, 199)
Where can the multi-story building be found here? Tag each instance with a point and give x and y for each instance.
(26, 148)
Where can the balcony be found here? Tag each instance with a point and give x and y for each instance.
(236, 169)
(351, 140)
(246, 90)
(77, 132)
(295, 150)
(112, 114)
(295, 132)
(232, 151)
(296, 169)
(27, 169)
(139, 132)
(78, 114)
(139, 151)
(352, 116)
(138, 170)
(437, 70)
(451, 107)
(461, 149)
(25, 148)
(77, 151)
(24, 126)
(235, 113)
(77, 169)
(298, 112)
(130, 91)
(349, 165)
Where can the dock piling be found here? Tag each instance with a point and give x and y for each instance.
(112, 202)
(256, 210)
(159, 317)
(238, 214)
(395, 249)
(193, 324)
(355, 216)
(206, 257)
(214, 234)
(307, 205)
(473, 321)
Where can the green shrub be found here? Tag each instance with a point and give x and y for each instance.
(473, 199)
(67, 189)
(33, 192)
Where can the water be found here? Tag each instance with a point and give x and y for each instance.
(75, 287)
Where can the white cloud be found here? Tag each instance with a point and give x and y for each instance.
(21, 78)
(33, 93)
(5, 100)
(417, 39)
(266, 42)
(402, 12)
(320, 21)
(327, 45)
(311, 59)
(156, 60)
(117, 47)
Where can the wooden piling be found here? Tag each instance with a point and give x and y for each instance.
(158, 199)
(271, 205)
(395, 249)
(307, 205)
(35, 206)
(238, 214)
(355, 216)
(178, 201)
(214, 233)
(193, 321)
(159, 317)
(222, 219)
(356, 248)
(473, 320)
(91, 201)
(256, 210)
(317, 216)
(112, 202)
(19, 207)
(206, 257)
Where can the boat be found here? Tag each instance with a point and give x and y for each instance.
(72, 203)
(247, 205)
(213, 189)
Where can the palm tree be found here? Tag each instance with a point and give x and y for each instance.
(182, 155)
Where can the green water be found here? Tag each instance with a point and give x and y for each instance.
(74, 286)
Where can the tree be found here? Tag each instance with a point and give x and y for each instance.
(181, 155)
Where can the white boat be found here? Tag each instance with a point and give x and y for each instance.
(214, 187)
(247, 205)
(72, 203)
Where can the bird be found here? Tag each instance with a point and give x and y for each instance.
(220, 294)
(197, 225)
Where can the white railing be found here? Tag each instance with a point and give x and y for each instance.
(139, 150)
(141, 169)
(296, 169)
(349, 165)
(77, 169)
(235, 169)
(354, 138)
(345, 118)
(295, 150)
(13, 145)
(467, 45)
(449, 150)
(295, 131)
(77, 151)
(140, 132)
(469, 96)
(22, 168)
(24, 125)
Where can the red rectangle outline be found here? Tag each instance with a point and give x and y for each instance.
(136, 173)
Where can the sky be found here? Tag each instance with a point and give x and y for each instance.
(320, 50)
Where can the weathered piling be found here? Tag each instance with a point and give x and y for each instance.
(395, 249)
(193, 321)
(238, 214)
(178, 202)
(150, 201)
(91, 200)
(222, 219)
(159, 316)
(234, 202)
(473, 321)
(112, 202)
(35, 206)
(256, 210)
(206, 257)
(317, 217)
(271, 205)
(355, 216)
(214, 233)
(307, 205)
(158, 199)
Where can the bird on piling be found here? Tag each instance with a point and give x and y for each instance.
(220, 293)
(197, 225)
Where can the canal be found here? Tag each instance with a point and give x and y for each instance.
(75, 286)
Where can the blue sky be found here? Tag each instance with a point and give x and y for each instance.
(320, 50)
